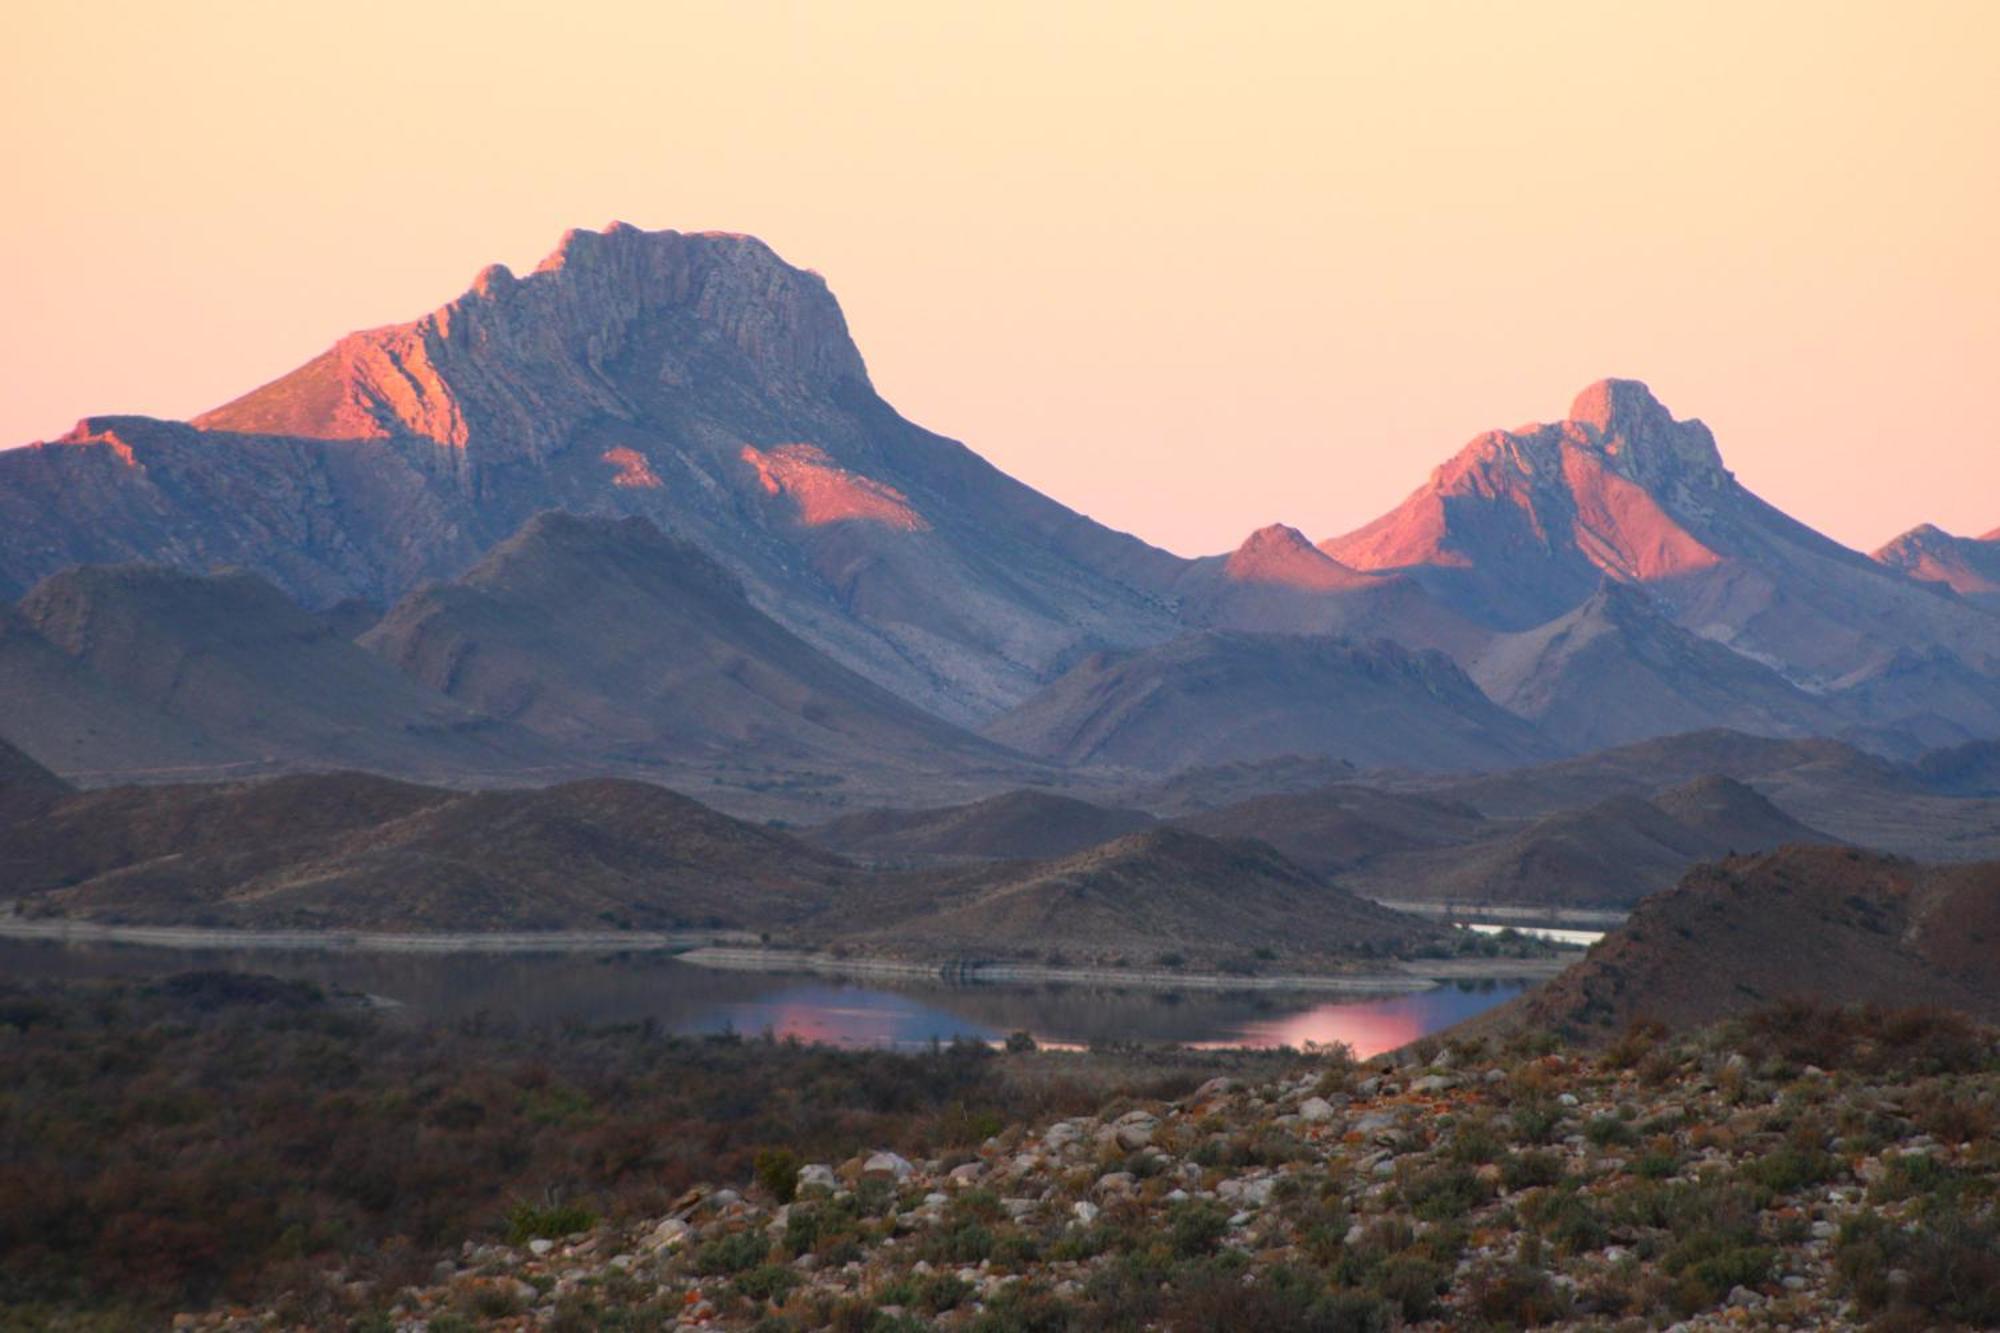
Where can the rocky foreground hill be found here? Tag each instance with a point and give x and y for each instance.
(1803, 1169)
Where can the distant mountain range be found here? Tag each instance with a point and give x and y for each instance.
(642, 511)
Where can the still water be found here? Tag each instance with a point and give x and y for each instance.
(536, 989)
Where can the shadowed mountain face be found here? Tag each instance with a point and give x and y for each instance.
(1214, 698)
(1844, 927)
(1522, 525)
(1617, 670)
(17, 770)
(1016, 825)
(605, 637)
(697, 380)
(139, 671)
(1611, 853)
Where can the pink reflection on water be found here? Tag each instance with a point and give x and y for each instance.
(1370, 1027)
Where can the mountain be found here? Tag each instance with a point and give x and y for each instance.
(1522, 525)
(1215, 697)
(1646, 768)
(351, 851)
(1971, 769)
(1163, 890)
(1969, 566)
(19, 772)
(1340, 827)
(224, 671)
(696, 380)
(1278, 582)
(1821, 923)
(1013, 825)
(606, 637)
(59, 712)
(1212, 786)
(1617, 670)
(1611, 853)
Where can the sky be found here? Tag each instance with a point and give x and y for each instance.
(1190, 269)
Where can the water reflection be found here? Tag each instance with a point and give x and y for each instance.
(569, 988)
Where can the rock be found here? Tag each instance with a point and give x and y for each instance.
(1114, 1184)
(1084, 1211)
(1251, 1192)
(1742, 1298)
(1134, 1129)
(669, 1233)
(540, 1246)
(888, 1165)
(1432, 1084)
(1316, 1110)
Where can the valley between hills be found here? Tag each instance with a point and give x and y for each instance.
(608, 610)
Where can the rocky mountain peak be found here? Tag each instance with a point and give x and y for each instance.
(604, 328)
(1632, 429)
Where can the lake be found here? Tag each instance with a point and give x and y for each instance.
(543, 989)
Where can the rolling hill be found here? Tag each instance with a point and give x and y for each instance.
(1216, 698)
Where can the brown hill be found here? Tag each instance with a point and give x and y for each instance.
(251, 679)
(697, 380)
(605, 637)
(1161, 892)
(1212, 786)
(1609, 854)
(1865, 799)
(1017, 825)
(349, 851)
(1617, 670)
(1647, 767)
(1819, 923)
(1341, 827)
(1213, 698)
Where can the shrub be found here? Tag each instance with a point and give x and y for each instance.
(734, 1253)
(553, 1221)
(1196, 1227)
(778, 1171)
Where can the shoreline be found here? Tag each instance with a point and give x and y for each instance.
(1399, 978)
(1509, 914)
(739, 951)
(366, 941)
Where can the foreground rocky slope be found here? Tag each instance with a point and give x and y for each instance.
(1808, 1169)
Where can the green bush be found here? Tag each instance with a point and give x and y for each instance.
(526, 1222)
(778, 1171)
(735, 1253)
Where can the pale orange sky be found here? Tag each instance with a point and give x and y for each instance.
(1188, 268)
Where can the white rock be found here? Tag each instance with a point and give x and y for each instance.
(1315, 1110)
(888, 1164)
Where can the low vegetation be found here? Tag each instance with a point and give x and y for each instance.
(218, 1138)
(1802, 1167)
